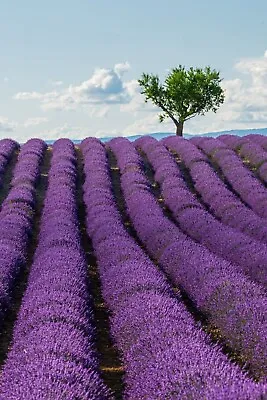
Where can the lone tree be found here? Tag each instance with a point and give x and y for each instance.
(184, 94)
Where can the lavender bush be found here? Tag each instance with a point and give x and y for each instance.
(226, 296)
(249, 188)
(230, 244)
(222, 202)
(213, 256)
(7, 147)
(164, 353)
(53, 354)
(16, 217)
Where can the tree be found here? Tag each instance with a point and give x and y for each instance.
(184, 94)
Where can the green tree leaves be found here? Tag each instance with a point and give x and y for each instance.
(184, 94)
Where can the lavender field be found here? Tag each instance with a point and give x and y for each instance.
(134, 270)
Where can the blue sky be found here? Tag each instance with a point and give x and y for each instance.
(70, 68)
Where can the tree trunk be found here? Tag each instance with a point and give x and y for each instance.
(179, 128)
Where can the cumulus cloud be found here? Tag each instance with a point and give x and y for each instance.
(244, 107)
(121, 68)
(246, 100)
(255, 67)
(136, 103)
(105, 86)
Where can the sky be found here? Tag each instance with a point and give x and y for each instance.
(70, 68)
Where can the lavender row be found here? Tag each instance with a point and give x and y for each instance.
(234, 142)
(251, 151)
(252, 148)
(52, 356)
(260, 140)
(222, 202)
(225, 241)
(256, 157)
(231, 301)
(7, 147)
(250, 189)
(16, 218)
(164, 353)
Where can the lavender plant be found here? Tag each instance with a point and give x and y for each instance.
(53, 354)
(227, 297)
(16, 217)
(222, 202)
(165, 354)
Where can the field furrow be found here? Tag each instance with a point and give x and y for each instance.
(257, 139)
(110, 364)
(133, 270)
(142, 305)
(215, 193)
(243, 181)
(200, 225)
(253, 155)
(53, 339)
(233, 303)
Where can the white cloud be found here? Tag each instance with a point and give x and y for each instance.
(34, 121)
(244, 107)
(121, 68)
(66, 131)
(11, 126)
(104, 87)
(35, 96)
(61, 131)
(74, 132)
(6, 125)
(136, 103)
(150, 123)
(245, 101)
(255, 67)
(98, 112)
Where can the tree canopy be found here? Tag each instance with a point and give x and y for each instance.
(184, 94)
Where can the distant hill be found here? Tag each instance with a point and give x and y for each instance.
(238, 132)
(161, 135)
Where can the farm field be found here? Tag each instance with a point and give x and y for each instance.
(134, 270)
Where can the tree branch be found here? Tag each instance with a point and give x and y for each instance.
(192, 116)
(167, 112)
